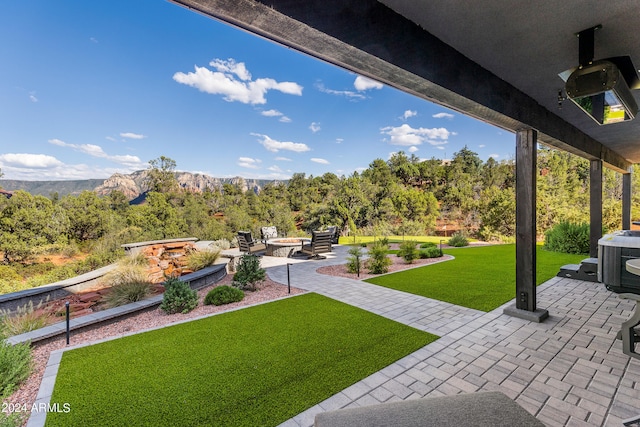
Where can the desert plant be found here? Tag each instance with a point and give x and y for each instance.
(126, 272)
(178, 297)
(568, 237)
(223, 295)
(197, 260)
(24, 319)
(15, 366)
(248, 273)
(430, 252)
(379, 262)
(458, 240)
(408, 251)
(125, 293)
(222, 244)
(138, 259)
(354, 260)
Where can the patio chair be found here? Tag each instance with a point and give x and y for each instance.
(320, 244)
(335, 233)
(248, 245)
(267, 233)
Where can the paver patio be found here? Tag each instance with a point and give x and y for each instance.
(567, 371)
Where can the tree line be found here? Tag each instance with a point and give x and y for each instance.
(401, 195)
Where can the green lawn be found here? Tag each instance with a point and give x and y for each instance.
(254, 367)
(482, 278)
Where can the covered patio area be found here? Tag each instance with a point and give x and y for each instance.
(568, 370)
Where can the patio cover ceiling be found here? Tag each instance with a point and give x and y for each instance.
(495, 60)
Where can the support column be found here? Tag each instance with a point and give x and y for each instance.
(526, 174)
(626, 200)
(595, 206)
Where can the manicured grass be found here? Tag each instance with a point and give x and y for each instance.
(351, 240)
(254, 367)
(482, 278)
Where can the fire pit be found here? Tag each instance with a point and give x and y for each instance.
(285, 247)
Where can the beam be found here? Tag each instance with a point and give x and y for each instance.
(526, 162)
(595, 206)
(369, 38)
(626, 200)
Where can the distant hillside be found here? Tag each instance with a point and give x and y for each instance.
(132, 185)
(47, 188)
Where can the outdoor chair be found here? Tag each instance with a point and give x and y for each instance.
(248, 245)
(320, 244)
(267, 233)
(335, 234)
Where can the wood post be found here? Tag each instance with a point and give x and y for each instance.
(595, 206)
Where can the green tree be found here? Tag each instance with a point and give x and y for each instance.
(161, 175)
(88, 215)
(28, 222)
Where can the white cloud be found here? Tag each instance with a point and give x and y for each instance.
(407, 136)
(274, 168)
(233, 81)
(283, 159)
(315, 127)
(413, 149)
(443, 116)
(25, 160)
(33, 167)
(339, 140)
(319, 160)
(275, 146)
(363, 83)
(346, 93)
(97, 151)
(131, 135)
(495, 156)
(32, 97)
(408, 114)
(248, 162)
(271, 113)
(284, 119)
(110, 138)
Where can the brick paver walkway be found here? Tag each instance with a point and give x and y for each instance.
(567, 371)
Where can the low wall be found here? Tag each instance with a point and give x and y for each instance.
(199, 279)
(61, 289)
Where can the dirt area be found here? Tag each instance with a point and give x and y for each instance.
(398, 264)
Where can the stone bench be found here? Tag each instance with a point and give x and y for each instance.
(482, 409)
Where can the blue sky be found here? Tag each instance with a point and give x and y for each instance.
(91, 88)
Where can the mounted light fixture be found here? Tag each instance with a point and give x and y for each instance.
(600, 91)
(601, 88)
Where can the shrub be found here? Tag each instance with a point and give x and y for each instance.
(568, 237)
(138, 259)
(430, 252)
(379, 262)
(408, 251)
(14, 419)
(248, 273)
(126, 273)
(197, 260)
(125, 293)
(25, 319)
(223, 295)
(426, 245)
(15, 366)
(178, 297)
(458, 240)
(222, 244)
(354, 260)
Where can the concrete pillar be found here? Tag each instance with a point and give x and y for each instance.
(595, 206)
(526, 175)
